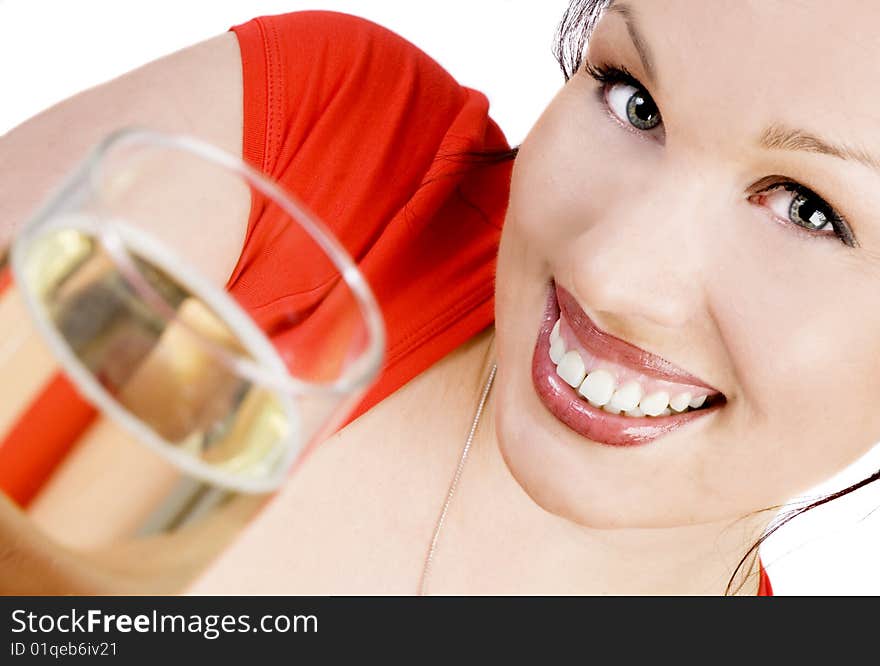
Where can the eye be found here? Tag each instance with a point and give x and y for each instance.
(794, 203)
(625, 97)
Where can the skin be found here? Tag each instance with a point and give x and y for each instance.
(673, 249)
(665, 243)
(670, 251)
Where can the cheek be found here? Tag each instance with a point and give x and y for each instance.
(560, 180)
(805, 350)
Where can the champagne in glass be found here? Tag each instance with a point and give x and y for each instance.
(211, 393)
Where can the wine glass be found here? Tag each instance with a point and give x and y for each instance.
(228, 382)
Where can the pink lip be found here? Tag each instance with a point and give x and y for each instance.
(596, 424)
(607, 346)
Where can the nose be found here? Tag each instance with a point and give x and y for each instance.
(645, 255)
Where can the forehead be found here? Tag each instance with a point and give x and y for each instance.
(806, 63)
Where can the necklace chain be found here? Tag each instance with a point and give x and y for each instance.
(429, 559)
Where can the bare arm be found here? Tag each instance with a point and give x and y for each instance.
(197, 90)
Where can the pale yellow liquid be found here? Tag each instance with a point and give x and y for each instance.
(159, 370)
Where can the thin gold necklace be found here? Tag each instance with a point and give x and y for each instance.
(426, 569)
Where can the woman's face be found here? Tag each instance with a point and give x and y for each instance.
(708, 238)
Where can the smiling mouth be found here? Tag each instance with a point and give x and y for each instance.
(607, 389)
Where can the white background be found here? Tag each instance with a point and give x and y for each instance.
(51, 49)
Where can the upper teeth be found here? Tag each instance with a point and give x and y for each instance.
(638, 396)
(598, 385)
(680, 402)
(628, 396)
(571, 368)
(655, 403)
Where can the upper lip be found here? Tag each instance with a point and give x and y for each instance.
(608, 346)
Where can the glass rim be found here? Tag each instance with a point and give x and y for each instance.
(365, 367)
(267, 369)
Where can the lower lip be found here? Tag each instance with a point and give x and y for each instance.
(579, 415)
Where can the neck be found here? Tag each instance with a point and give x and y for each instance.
(517, 546)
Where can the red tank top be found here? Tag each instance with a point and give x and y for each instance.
(337, 104)
(364, 128)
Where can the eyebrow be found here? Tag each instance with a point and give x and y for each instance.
(778, 137)
(774, 137)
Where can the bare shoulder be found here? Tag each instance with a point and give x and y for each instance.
(197, 90)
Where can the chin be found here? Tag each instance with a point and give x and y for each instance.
(587, 482)
(546, 459)
(558, 457)
(547, 462)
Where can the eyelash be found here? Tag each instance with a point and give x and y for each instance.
(838, 222)
(609, 75)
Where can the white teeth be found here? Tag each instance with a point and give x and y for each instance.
(557, 350)
(598, 387)
(680, 402)
(654, 403)
(697, 402)
(627, 396)
(571, 369)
